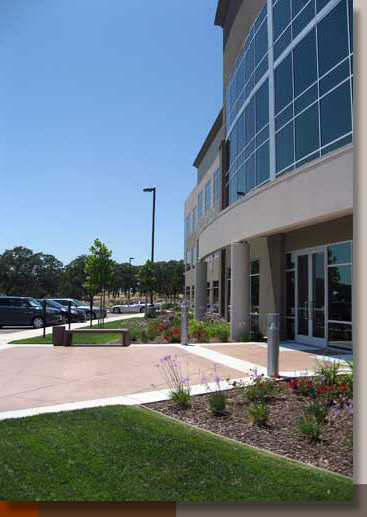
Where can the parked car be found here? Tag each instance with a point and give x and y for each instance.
(27, 311)
(138, 306)
(76, 315)
(96, 311)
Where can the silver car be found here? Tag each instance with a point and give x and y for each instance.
(129, 307)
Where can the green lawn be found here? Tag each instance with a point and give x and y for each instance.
(98, 339)
(120, 453)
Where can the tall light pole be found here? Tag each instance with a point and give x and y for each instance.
(152, 189)
(130, 259)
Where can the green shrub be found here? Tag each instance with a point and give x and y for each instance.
(259, 413)
(328, 374)
(181, 396)
(219, 331)
(197, 330)
(309, 428)
(218, 403)
(318, 411)
(261, 389)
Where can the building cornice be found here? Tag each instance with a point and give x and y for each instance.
(209, 139)
(221, 12)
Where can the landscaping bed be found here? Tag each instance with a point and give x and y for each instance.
(332, 450)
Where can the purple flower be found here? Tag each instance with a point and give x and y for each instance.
(216, 379)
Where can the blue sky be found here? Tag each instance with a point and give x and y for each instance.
(99, 99)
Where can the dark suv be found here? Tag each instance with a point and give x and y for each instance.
(20, 310)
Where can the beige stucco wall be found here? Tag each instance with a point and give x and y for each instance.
(317, 192)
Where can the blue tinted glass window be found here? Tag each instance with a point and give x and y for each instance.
(297, 5)
(250, 173)
(320, 4)
(261, 69)
(232, 140)
(303, 19)
(262, 106)
(249, 87)
(281, 16)
(200, 205)
(336, 145)
(249, 61)
(335, 110)
(284, 117)
(334, 77)
(260, 18)
(250, 148)
(284, 143)
(233, 190)
(305, 63)
(241, 179)
(233, 93)
(262, 164)
(250, 121)
(261, 43)
(283, 84)
(262, 136)
(240, 134)
(282, 43)
(332, 37)
(305, 99)
(339, 253)
(241, 77)
(307, 132)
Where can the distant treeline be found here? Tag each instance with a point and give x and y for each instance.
(25, 273)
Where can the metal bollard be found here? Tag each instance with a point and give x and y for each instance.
(184, 335)
(273, 345)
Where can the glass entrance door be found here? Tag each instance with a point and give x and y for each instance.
(310, 297)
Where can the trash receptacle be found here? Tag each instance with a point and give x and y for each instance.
(58, 335)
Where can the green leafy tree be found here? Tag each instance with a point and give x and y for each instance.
(99, 269)
(147, 279)
(74, 278)
(24, 273)
(48, 272)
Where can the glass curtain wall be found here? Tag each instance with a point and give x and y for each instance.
(312, 50)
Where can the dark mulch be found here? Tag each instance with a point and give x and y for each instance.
(333, 452)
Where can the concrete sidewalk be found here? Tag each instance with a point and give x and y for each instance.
(43, 378)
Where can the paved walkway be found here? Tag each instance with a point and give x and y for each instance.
(42, 378)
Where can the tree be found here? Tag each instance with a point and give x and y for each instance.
(73, 279)
(24, 273)
(99, 269)
(48, 274)
(147, 278)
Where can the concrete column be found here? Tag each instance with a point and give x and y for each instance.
(276, 293)
(200, 289)
(240, 289)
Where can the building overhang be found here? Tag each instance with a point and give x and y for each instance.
(221, 12)
(320, 191)
(209, 139)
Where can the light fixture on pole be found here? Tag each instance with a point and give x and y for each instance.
(152, 189)
(130, 259)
